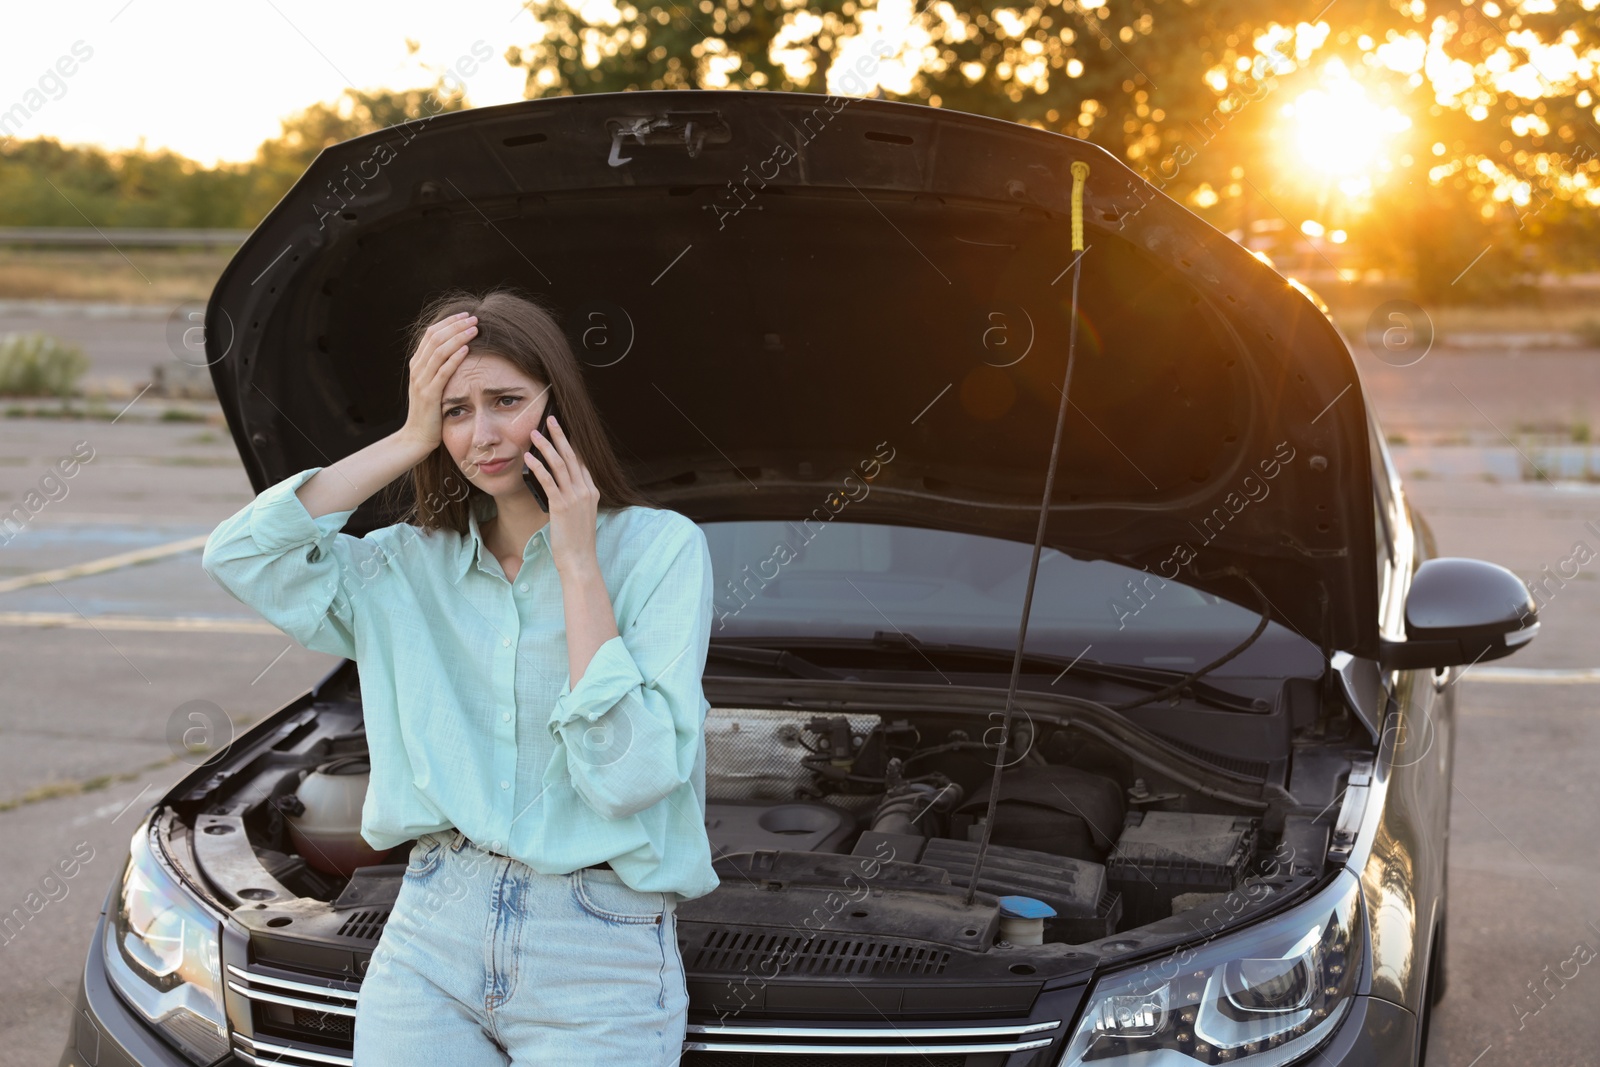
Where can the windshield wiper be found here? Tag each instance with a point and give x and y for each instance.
(1152, 679)
(776, 658)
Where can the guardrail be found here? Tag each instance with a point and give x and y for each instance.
(15, 236)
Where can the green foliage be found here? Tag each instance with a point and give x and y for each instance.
(44, 183)
(1192, 96)
(280, 161)
(1501, 154)
(37, 364)
(671, 45)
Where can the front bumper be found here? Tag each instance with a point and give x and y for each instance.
(1375, 1032)
(105, 1033)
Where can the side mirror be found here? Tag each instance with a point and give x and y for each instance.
(1461, 611)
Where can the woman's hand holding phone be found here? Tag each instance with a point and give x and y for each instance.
(528, 477)
(574, 501)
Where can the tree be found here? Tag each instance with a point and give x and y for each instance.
(1481, 118)
(280, 161)
(43, 183)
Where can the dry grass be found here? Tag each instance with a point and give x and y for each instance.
(52, 790)
(170, 276)
(1479, 320)
(38, 364)
(1515, 319)
(104, 275)
(1557, 309)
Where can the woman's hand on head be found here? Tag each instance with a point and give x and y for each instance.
(439, 353)
(574, 500)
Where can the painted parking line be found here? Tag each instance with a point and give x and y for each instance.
(107, 563)
(152, 623)
(1533, 675)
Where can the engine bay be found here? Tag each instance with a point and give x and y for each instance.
(1105, 845)
(853, 822)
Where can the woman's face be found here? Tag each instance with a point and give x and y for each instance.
(488, 412)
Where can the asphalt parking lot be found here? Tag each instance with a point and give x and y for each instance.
(111, 629)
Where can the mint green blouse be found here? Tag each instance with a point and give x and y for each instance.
(472, 719)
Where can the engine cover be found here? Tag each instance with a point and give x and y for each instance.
(753, 826)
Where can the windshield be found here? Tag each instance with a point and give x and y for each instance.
(780, 580)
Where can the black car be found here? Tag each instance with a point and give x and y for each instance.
(1210, 822)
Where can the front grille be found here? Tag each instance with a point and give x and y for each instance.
(909, 1045)
(738, 951)
(325, 1023)
(741, 1059)
(275, 1054)
(299, 1022)
(296, 1022)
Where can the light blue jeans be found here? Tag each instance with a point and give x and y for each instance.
(486, 961)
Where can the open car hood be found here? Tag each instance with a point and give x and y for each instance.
(772, 290)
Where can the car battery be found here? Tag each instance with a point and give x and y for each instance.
(1163, 854)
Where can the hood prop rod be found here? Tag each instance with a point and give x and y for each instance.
(1080, 172)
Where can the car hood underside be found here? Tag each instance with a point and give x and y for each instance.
(769, 290)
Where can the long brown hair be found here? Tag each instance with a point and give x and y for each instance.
(513, 325)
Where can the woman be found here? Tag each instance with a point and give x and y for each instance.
(530, 683)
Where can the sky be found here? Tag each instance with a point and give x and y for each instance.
(212, 80)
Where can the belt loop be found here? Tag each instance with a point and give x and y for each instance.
(460, 839)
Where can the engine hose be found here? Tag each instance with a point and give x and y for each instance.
(839, 774)
(899, 813)
(1130, 750)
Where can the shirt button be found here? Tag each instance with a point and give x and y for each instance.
(506, 641)
(523, 587)
(504, 784)
(506, 717)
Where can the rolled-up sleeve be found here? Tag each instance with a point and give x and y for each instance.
(632, 725)
(295, 570)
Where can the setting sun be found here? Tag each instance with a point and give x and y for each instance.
(1339, 133)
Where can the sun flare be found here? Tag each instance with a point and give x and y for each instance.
(1339, 133)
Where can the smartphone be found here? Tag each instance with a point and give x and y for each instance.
(528, 477)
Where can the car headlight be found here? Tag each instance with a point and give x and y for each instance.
(1262, 997)
(162, 954)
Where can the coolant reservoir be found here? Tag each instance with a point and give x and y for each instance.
(327, 834)
(1022, 920)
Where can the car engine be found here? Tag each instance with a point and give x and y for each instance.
(885, 812)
